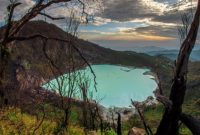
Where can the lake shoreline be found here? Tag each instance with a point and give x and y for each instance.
(127, 112)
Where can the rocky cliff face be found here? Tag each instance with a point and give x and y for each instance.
(31, 53)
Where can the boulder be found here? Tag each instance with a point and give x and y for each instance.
(150, 101)
(136, 131)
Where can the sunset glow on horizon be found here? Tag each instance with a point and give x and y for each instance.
(128, 22)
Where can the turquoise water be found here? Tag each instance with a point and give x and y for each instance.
(117, 85)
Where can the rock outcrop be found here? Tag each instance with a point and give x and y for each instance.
(136, 131)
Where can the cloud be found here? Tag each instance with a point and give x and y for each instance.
(127, 34)
(19, 11)
(158, 31)
(59, 9)
(158, 19)
(100, 21)
(125, 20)
(127, 10)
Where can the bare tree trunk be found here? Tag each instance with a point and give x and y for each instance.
(9, 86)
(101, 126)
(169, 122)
(66, 118)
(146, 127)
(192, 123)
(119, 126)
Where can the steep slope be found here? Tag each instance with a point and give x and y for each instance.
(31, 53)
(36, 56)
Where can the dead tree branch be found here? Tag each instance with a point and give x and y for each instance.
(147, 128)
(40, 123)
(169, 123)
(50, 17)
(160, 95)
(10, 9)
(192, 123)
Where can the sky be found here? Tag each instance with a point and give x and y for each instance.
(124, 24)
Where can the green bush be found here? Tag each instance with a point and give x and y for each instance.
(110, 132)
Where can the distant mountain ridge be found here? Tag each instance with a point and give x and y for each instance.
(145, 49)
(172, 54)
(168, 53)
